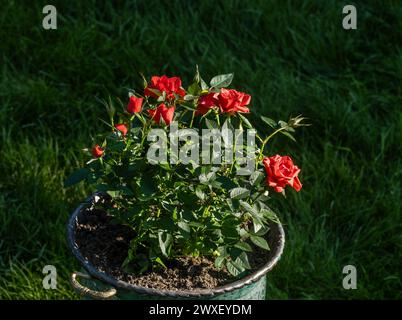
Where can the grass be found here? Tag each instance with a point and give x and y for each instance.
(292, 57)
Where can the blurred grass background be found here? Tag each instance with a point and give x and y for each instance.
(292, 56)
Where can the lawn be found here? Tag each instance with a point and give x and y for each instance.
(293, 57)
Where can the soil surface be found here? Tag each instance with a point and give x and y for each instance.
(105, 246)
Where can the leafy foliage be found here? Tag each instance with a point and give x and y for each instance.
(181, 209)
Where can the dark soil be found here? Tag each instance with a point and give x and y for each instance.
(105, 246)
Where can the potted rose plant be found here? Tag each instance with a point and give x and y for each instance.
(180, 208)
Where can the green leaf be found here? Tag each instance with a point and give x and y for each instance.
(227, 132)
(229, 230)
(234, 268)
(129, 170)
(219, 262)
(155, 91)
(269, 121)
(225, 182)
(188, 106)
(189, 97)
(222, 250)
(194, 89)
(165, 244)
(263, 196)
(288, 135)
(233, 204)
(244, 246)
(144, 80)
(290, 129)
(207, 178)
(237, 214)
(159, 260)
(113, 193)
(200, 194)
(187, 197)
(260, 242)
(148, 187)
(282, 123)
(256, 177)
(263, 231)
(222, 81)
(195, 224)
(245, 121)
(204, 85)
(257, 224)
(116, 146)
(125, 190)
(269, 214)
(249, 208)
(184, 226)
(239, 193)
(211, 124)
(116, 191)
(242, 260)
(165, 166)
(187, 214)
(197, 76)
(76, 176)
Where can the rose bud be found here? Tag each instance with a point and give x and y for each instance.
(134, 105)
(122, 128)
(97, 151)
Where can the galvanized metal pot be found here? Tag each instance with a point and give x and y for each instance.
(95, 284)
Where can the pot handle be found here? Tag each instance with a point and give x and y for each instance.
(79, 288)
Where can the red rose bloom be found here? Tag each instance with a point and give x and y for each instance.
(165, 84)
(166, 113)
(97, 151)
(281, 172)
(206, 102)
(134, 105)
(122, 128)
(231, 101)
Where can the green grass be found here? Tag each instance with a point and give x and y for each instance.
(292, 57)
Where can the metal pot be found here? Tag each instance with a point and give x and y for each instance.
(99, 285)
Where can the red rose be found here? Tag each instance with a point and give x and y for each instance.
(97, 151)
(162, 111)
(134, 105)
(165, 84)
(281, 172)
(206, 102)
(231, 101)
(122, 128)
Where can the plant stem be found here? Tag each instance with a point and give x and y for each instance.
(259, 138)
(192, 119)
(182, 115)
(269, 138)
(217, 119)
(144, 129)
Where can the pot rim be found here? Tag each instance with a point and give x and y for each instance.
(251, 278)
